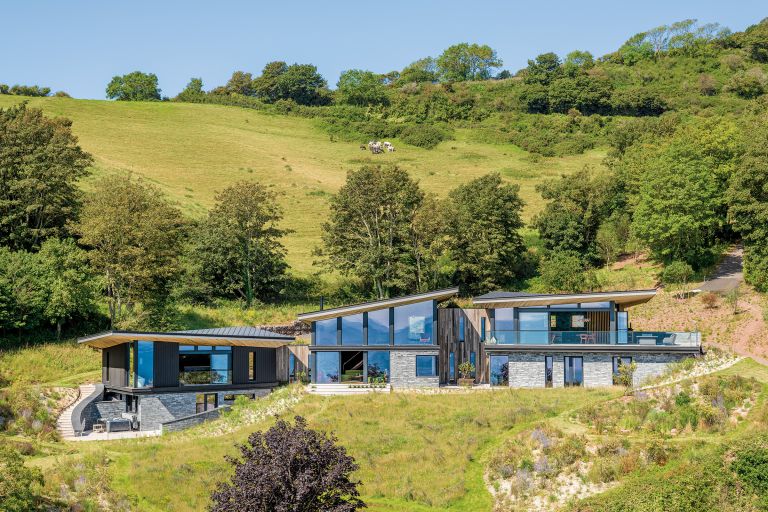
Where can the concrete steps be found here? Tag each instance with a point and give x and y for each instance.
(344, 389)
(64, 421)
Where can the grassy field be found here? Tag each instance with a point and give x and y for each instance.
(192, 151)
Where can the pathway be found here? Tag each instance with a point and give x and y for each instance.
(728, 274)
(64, 422)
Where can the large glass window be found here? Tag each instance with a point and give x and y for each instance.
(141, 363)
(352, 330)
(504, 325)
(622, 324)
(499, 375)
(574, 371)
(325, 332)
(426, 366)
(548, 371)
(207, 365)
(534, 328)
(352, 367)
(327, 367)
(378, 327)
(413, 324)
(378, 364)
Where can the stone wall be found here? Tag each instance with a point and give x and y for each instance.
(402, 367)
(651, 365)
(191, 421)
(156, 409)
(526, 370)
(96, 410)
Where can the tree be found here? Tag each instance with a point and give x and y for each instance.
(490, 207)
(433, 265)
(677, 272)
(565, 272)
(40, 165)
(22, 295)
(464, 61)
(136, 86)
(368, 234)
(193, 91)
(289, 468)
(578, 204)
(20, 486)
(747, 198)
(748, 84)
(423, 70)
(135, 237)
(681, 206)
(361, 88)
(240, 83)
(69, 282)
(300, 83)
(236, 251)
(543, 70)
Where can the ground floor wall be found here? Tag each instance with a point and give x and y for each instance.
(528, 370)
(403, 368)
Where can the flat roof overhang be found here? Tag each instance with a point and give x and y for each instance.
(112, 338)
(596, 348)
(325, 314)
(628, 298)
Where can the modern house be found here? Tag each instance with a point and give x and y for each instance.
(511, 338)
(170, 380)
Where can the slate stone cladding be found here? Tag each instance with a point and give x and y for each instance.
(402, 366)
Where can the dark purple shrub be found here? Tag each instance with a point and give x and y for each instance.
(289, 468)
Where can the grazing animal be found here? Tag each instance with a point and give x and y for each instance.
(375, 147)
(363, 147)
(390, 148)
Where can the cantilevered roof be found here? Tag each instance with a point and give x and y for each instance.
(378, 304)
(521, 299)
(222, 336)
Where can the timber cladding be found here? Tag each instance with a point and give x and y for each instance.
(300, 352)
(448, 338)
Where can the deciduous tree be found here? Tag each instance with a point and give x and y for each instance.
(40, 165)
(465, 61)
(135, 86)
(361, 88)
(289, 468)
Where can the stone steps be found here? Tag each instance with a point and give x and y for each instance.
(344, 389)
(64, 421)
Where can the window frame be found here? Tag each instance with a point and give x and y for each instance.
(434, 366)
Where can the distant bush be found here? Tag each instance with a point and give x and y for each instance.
(422, 135)
(61, 94)
(25, 90)
(748, 84)
(638, 101)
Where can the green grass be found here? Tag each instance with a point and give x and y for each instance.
(191, 151)
(63, 364)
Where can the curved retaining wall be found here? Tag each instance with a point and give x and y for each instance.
(80, 414)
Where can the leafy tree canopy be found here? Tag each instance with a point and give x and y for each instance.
(464, 61)
(361, 88)
(135, 86)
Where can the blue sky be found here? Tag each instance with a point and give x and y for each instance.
(77, 46)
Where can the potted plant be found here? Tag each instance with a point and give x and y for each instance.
(466, 369)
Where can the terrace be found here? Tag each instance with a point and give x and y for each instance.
(547, 337)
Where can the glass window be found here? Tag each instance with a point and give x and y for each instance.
(462, 327)
(564, 306)
(352, 330)
(291, 366)
(378, 327)
(482, 329)
(220, 369)
(499, 371)
(325, 332)
(534, 328)
(426, 366)
(451, 367)
(206, 402)
(574, 371)
(622, 324)
(327, 367)
(596, 305)
(250, 365)
(145, 356)
(472, 360)
(378, 364)
(504, 325)
(413, 324)
(548, 371)
(197, 368)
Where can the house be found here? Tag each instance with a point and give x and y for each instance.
(168, 381)
(512, 339)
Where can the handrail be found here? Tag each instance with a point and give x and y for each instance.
(620, 337)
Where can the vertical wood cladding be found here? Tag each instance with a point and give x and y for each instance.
(448, 323)
(166, 364)
(114, 364)
(301, 354)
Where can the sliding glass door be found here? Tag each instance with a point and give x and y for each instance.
(499, 374)
(574, 371)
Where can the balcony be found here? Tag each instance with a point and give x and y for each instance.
(198, 377)
(672, 339)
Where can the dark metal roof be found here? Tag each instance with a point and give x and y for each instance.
(512, 295)
(239, 332)
(503, 295)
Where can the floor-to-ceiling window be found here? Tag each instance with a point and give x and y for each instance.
(325, 332)
(574, 371)
(534, 327)
(549, 372)
(413, 324)
(499, 370)
(327, 364)
(352, 330)
(378, 365)
(205, 365)
(141, 363)
(378, 327)
(352, 367)
(504, 326)
(622, 324)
